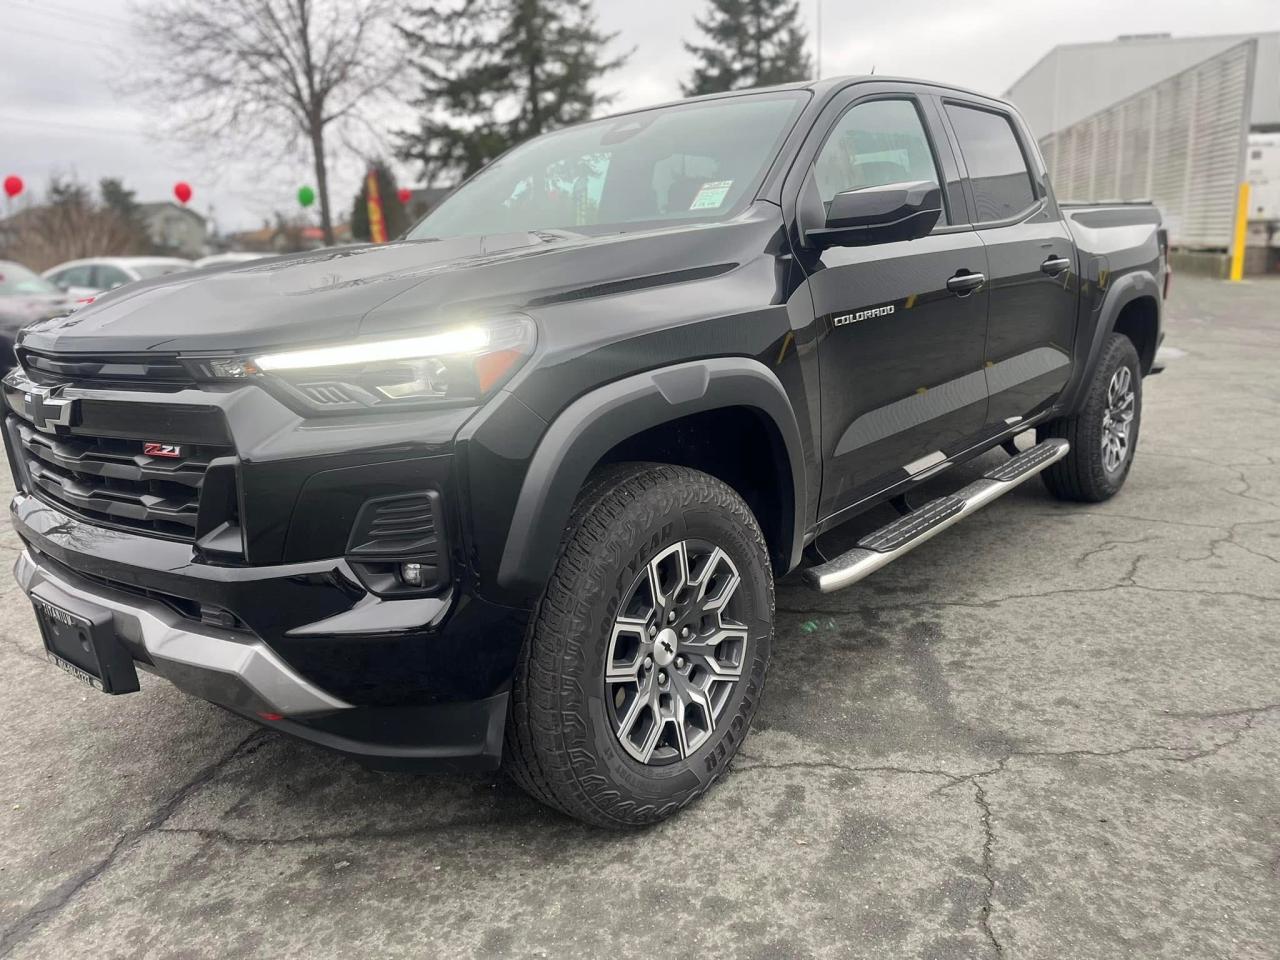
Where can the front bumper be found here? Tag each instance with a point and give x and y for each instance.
(227, 667)
(268, 605)
(398, 684)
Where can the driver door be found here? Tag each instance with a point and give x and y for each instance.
(900, 350)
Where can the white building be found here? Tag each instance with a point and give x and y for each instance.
(1074, 81)
(1156, 117)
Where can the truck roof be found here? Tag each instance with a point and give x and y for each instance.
(822, 88)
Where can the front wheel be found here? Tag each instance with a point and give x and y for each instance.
(646, 657)
(1104, 431)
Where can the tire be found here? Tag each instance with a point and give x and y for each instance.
(1089, 473)
(568, 743)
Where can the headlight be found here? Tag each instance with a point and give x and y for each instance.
(464, 363)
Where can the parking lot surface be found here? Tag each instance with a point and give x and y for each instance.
(1053, 731)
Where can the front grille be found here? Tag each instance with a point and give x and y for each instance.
(111, 479)
(151, 371)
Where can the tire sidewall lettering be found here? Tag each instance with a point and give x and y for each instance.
(607, 760)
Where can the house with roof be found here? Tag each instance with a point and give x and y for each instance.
(174, 228)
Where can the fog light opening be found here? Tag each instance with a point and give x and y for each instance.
(413, 574)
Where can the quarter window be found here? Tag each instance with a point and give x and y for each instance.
(875, 143)
(1002, 185)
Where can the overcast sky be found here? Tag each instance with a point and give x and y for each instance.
(59, 58)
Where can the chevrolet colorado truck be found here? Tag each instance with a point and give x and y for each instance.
(515, 488)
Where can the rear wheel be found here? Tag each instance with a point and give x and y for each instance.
(646, 657)
(1104, 432)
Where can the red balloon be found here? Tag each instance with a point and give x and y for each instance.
(182, 190)
(12, 186)
(404, 193)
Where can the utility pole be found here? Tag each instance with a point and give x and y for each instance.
(818, 36)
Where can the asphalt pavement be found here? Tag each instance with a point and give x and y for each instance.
(1052, 731)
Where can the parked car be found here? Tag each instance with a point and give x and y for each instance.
(87, 278)
(25, 297)
(516, 488)
(231, 256)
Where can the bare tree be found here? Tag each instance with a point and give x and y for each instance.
(257, 70)
(69, 225)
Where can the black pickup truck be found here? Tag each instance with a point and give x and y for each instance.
(515, 488)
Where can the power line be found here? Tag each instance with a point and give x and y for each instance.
(818, 39)
(62, 125)
(52, 8)
(65, 20)
(25, 31)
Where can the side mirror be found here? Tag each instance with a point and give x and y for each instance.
(894, 211)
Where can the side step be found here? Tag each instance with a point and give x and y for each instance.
(903, 535)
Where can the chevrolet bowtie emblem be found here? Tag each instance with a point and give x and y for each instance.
(47, 411)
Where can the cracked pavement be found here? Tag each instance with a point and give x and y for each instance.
(1053, 731)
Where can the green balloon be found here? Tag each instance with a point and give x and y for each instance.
(306, 196)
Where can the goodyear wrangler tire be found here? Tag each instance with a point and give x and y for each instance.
(645, 659)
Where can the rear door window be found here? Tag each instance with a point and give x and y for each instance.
(1002, 186)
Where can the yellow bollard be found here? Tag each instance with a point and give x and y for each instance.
(1242, 233)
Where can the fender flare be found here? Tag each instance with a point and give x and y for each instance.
(597, 421)
(1124, 291)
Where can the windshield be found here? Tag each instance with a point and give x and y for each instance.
(695, 161)
(147, 271)
(16, 279)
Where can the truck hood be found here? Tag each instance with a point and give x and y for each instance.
(366, 290)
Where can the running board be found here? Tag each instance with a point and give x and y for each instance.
(903, 535)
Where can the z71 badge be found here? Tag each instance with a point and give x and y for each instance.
(862, 315)
(161, 449)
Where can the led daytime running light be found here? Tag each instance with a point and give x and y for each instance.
(461, 340)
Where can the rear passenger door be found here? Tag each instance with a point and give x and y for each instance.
(899, 353)
(1032, 272)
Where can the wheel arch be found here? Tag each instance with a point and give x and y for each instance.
(1139, 320)
(670, 415)
(1133, 298)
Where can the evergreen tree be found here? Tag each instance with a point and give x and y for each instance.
(121, 201)
(493, 73)
(68, 194)
(393, 211)
(116, 197)
(751, 43)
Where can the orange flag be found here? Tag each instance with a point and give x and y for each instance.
(377, 223)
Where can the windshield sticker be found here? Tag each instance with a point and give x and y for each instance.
(711, 195)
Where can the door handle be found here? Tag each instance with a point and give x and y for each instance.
(963, 284)
(1055, 265)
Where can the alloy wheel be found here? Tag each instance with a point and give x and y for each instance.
(1117, 419)
(676, 652)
